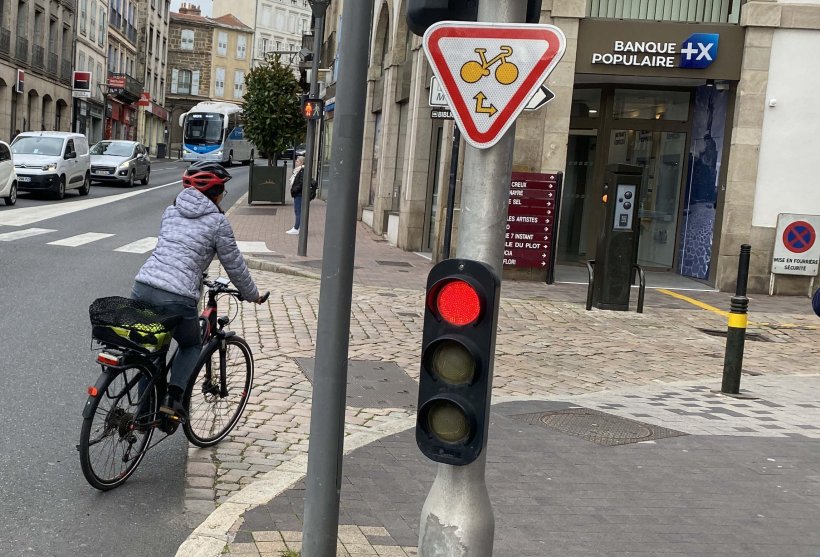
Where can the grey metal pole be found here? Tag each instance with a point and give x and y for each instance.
(319, 9)
(327, 414)
(451, 193)
(457, 518)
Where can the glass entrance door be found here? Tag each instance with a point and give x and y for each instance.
(661, 154)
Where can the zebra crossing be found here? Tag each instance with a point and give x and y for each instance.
(140, 246)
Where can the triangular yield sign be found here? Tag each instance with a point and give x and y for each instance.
(489, 71)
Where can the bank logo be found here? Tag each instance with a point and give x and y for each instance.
(699, 50)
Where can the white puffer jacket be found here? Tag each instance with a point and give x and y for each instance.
(192, 231)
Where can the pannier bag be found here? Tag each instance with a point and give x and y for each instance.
(132, 324)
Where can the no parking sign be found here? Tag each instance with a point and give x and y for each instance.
(796, 247)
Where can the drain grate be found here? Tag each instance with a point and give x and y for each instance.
(723, 332)
(394, 263)
(598, 427)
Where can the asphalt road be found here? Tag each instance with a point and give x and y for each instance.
(46, 361)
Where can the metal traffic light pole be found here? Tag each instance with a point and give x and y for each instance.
(327, 415)
(319, 7)
(457, 517)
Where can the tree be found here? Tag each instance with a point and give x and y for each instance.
(273, 119)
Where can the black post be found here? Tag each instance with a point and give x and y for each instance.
(451, 193)
(736, 334)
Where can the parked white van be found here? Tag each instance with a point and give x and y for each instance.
(8, 179)
(52, 161)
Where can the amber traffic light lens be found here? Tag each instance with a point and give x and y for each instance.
(458, 303)
(448, 422)
(452, 363)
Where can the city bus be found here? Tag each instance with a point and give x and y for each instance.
(212, 131)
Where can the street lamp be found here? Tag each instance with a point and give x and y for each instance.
(319, 8)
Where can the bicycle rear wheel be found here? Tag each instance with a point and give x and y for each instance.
(214, 406)
(115, 436)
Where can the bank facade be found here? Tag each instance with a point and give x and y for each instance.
(713, 101)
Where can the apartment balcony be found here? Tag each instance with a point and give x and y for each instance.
(124, 87)
(21, 53)
(38, 57)
(687, 11)
(5, 42)
(53, 64)
(65, 72)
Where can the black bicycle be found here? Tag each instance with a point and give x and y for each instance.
(122, 413)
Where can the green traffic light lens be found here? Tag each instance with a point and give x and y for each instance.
(452, 363)
(448, 422)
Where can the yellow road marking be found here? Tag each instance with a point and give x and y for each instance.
(694, 302)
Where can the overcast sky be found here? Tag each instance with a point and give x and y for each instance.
(204, 5)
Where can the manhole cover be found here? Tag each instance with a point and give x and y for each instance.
(373, 384)
(723, 333)
(394, 263)
(598, 427)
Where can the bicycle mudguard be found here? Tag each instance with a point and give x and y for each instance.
(96, 388)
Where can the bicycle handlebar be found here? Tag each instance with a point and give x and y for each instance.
(222, 288)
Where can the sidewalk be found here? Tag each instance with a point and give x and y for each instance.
(711, 475)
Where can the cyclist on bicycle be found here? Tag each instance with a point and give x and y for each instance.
(192, 231)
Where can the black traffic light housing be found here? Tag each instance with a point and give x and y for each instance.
(421, 14)
(312, 109)
(458, 344)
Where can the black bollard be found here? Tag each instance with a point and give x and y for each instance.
(738, 319)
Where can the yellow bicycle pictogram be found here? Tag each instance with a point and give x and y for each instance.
(505, 73)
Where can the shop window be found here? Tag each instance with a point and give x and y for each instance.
(586, 103)
(651, 105)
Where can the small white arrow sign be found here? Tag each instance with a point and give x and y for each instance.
(540, 98)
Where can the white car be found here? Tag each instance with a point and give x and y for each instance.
(8, 178)
(52, 161)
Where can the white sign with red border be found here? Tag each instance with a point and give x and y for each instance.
(796, 245)
(489, 71)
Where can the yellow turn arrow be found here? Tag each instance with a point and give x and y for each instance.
(479, 105)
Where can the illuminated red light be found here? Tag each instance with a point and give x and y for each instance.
(458, 303)
(108, 359)
(93, 391)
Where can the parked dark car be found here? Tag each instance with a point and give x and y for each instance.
(292, 152)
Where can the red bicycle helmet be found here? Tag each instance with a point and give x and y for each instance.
(207, 177)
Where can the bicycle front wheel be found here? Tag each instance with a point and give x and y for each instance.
(218, 392)
(115, 436)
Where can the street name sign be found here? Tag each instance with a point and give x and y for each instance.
(489, 71)
(796, 246)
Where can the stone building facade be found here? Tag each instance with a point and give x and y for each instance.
(37, 40)
(91, 55)
(152, 116)
(724, 146)
(190, 47)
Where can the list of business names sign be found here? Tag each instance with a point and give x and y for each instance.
(532, 217)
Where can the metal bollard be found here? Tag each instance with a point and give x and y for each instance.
(736, 334)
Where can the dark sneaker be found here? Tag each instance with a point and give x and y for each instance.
(172, 407)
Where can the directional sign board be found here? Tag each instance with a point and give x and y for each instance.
(540, 98)
(531, 221)
(797, 248)
(489, 71)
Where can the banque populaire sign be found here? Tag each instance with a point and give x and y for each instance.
(660, 50)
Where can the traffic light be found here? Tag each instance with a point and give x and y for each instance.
(312, 109)
(458, 344)
(421, 14)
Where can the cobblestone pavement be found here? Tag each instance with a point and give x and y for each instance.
(548, 348)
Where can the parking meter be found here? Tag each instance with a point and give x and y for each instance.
(618, 240)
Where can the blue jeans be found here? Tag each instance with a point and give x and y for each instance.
(186, 333)
(297, 209)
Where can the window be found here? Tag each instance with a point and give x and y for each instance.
(5, 155)
(69, 147)
(151, 39)
(222, 44)
(92, 28)
(238, 84)
(241, 47)
(184, 82)
(81, 65)
(292, 23)
(186, 40)
(219, 83)
(280, 20)
(101, 36)
(266, 16)
(83, 14)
